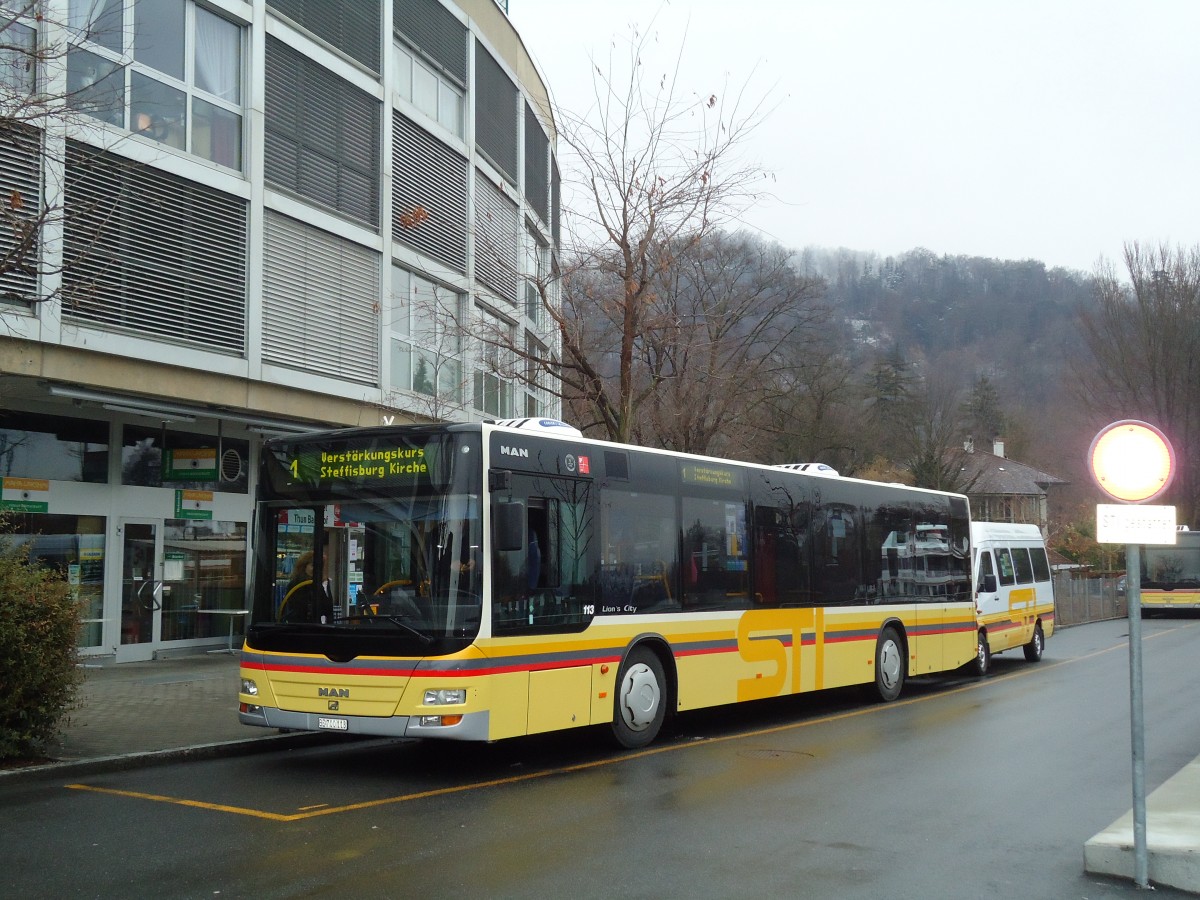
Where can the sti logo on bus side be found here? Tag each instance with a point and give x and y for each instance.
(344, 693)
(514, 451)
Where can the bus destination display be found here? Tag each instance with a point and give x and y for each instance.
(362, 466)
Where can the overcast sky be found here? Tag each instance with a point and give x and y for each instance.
(1046, 129)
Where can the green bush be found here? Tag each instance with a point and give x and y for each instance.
(39, 629)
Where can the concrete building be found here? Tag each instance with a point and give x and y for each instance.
(261, 218)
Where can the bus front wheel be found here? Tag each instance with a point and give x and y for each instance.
(1033, 650)
(640, 699)
(889, 665)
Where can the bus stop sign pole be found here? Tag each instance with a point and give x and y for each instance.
(1133, 463)
(1137, 723)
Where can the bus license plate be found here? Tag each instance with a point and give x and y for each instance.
(333, 724)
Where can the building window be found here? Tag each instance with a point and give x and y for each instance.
(430, 92)
(493, 381)
(537, 161)
(18, 45)
(175, 77)
(100, 22)
(20, 176)
(158, 457)
(322, 135)
(496, 109)
(96, 86)
(53, 447)
(73, 545)
(158, 255)
(426, 337)
(435, 31)
(204, 569)
(351, 27)
(537, 267)
(535, 400)
(429, 194)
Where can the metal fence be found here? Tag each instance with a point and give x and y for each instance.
(1081, 600)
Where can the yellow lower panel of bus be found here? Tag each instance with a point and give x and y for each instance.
(561, 681)
(1170, 599)
(365, 686)
(559, 698)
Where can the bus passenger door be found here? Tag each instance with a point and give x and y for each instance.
(545, 587)
(545, 584)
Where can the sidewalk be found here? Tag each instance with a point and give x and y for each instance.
(1172, 836)
(136, 714)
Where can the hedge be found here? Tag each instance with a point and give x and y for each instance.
(39, 631)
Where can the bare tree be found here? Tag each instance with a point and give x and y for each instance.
(929, 437)
(819, 416)
(719, 343)
(1143, 337)
(652, 172)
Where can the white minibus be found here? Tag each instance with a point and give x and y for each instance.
(1014, 596)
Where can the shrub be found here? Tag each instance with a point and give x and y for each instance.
(39, 629)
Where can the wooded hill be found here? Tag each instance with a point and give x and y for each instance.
(1014, 322)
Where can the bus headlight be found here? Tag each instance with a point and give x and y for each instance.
(249, 686)
(445, 697)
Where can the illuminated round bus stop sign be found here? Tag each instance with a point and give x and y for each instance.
(1131, 461)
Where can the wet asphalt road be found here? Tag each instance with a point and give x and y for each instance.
(963, 788)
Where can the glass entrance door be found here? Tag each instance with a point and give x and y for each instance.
(141, 589)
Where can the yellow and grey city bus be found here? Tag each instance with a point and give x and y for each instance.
(484, 581)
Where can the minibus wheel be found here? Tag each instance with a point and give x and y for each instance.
(983, 655)
(1033, 650)
(640, 699)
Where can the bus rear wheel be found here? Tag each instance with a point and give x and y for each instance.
(1033, 650)
(983, 655)
(889, 665)
(640, 700)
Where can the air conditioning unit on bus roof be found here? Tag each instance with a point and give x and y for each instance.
(810, 468)
(534, 424)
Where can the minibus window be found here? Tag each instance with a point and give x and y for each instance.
(985, 565)
(1005, 564)
(1024, 566)
(1041, 565)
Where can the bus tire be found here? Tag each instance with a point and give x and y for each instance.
(983, 655)
(640, 701)
(890, 667)
(1033, 650)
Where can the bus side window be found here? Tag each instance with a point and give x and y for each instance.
(1005, 565)
(780, 572)
(714, 554)
(1024, 566)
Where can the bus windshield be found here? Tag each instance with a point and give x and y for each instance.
(379, 544)
(1172, 567)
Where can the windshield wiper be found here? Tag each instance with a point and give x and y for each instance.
(396, 620)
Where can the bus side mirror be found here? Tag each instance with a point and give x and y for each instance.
(508, 526)
(987, 584)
